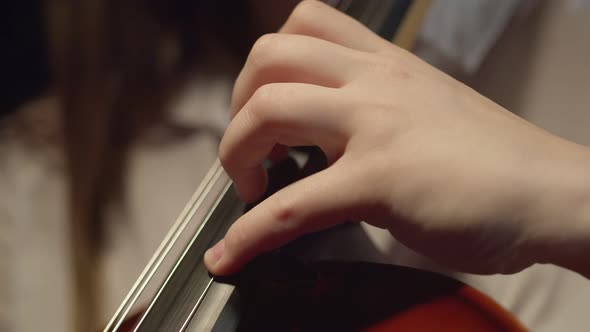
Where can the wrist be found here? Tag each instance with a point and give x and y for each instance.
(559, 218)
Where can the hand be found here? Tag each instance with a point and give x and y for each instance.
(448, 172)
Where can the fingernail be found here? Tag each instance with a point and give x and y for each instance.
(216, 251)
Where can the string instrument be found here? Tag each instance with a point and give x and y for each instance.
(281, 291)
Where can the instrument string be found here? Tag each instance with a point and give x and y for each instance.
(204, 189)
(181, 257)
(196, 306)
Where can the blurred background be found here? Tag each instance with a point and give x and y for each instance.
(111, 112)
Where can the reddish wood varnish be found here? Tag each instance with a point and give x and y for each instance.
(466, 310)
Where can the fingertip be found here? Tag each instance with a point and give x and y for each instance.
(213, 257)
(210, 262)
(222, 266)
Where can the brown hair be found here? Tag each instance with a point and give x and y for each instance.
(116, 64)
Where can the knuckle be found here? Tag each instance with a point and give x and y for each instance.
(264, 49)
(283, 208)
(265, 94)
(259, 112)
(380, 64)
(302, 12)
(284, 211)
(389, 66)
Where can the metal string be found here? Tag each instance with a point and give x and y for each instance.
(196, 306)
(175, 268)
(177, 229)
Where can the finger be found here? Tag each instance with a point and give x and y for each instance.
(278, 58)
(319, 20)
(291, 114)
(317, 202)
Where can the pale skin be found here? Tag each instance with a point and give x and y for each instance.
(448, 172)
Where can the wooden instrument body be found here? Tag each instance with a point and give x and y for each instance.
(283, 294)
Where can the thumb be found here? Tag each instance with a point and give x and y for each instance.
(317, 202)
